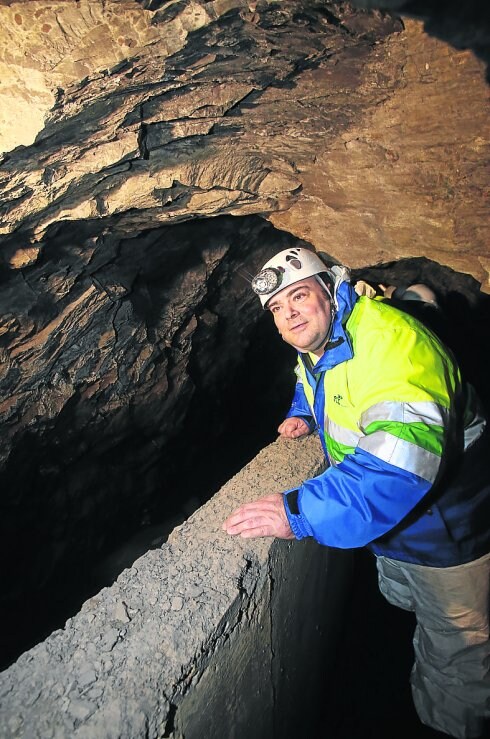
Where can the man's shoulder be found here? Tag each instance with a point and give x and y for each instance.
(376, 326)
(379, 313)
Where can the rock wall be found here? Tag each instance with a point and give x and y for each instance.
(113, 409)
(45, 46)
(464, 25)
(208, 636)
(409, 176)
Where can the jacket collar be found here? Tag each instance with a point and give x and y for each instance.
(339, 348)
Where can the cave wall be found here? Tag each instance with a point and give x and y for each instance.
(45, 46)
(463, 25)
(113, 409)
(197, 639)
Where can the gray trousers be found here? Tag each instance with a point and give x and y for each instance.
(451, 676)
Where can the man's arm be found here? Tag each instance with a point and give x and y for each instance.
(346, 506)
(354, 503)
(408, 432)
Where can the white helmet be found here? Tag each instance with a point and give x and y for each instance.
(423, 293)
(284, 269)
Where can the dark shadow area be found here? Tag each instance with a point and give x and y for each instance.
(220, 435)
(464, 25)
(86, 495)
(368, 694)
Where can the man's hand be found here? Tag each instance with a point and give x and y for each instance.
(263, 517)
(293, 428)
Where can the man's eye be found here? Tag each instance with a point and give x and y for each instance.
(299, 296)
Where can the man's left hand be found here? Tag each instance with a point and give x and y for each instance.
(263, 517)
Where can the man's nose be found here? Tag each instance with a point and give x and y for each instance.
(291, 311)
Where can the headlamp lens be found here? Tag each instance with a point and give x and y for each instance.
(266, 281)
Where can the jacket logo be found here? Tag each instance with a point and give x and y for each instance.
(338, 399)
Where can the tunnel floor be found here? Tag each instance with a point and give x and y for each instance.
(369, 692)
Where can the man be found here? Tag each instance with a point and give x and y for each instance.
(405, 445)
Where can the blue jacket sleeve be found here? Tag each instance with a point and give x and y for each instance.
(355, 502)
(300, 408)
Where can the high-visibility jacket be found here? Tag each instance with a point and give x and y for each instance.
(405, 443)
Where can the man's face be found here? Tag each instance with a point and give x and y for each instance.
(302, 314)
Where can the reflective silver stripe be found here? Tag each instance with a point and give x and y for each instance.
(403, 454)
(474, 418)
(419, 412)
(473, 432)
(341, 434)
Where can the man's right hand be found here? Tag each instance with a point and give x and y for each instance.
(293, 428)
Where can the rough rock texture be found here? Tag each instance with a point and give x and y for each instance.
(279, 109)
(409, 176)
(195, 640)
(44, 46)
(465, 25)
(129, 227)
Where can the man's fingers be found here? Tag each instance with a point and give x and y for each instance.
(284, 428)
(248, 512)
(263, 505)
(287, 431)
(249, 524)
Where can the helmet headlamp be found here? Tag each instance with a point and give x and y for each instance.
(267, 281)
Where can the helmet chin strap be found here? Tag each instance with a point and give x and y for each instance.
(333, 310)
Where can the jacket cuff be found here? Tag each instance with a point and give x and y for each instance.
(299, 526)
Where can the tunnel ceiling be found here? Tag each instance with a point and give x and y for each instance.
(346, 127)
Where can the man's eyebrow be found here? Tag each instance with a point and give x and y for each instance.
(294, 288)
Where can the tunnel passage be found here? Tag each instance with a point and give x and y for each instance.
(142, 374)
